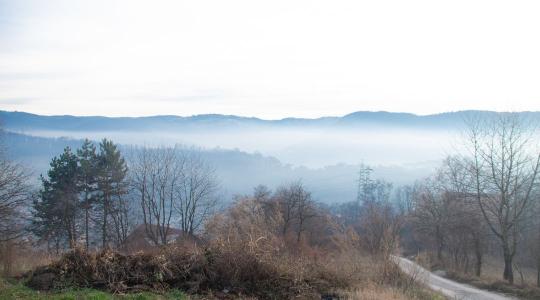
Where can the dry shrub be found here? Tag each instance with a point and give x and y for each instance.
(19, 256)
(380, 279)
(252, 230)
(426, 260)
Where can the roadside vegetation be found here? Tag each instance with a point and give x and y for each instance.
(475, 220)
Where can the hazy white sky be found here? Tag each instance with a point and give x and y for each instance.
(270, 59)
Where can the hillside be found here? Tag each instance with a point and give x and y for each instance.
(22, 121)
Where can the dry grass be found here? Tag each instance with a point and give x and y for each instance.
(376, 292)
(493, 270)
(17, 257)
(489, 282)
(491, 278)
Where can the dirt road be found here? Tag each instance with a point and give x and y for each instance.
(447, 287)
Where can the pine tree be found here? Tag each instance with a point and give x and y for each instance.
(46, 224)
(56, 210)
(111, 183)
(87, 182)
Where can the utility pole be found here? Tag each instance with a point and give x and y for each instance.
(364, 183)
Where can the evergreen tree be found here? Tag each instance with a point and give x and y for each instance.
(45, 223)
(87, 182)
(56, 209)
(111, 184)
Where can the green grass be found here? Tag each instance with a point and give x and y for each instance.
(16, 290)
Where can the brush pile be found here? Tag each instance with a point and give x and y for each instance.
(118, 272)
(194, 270)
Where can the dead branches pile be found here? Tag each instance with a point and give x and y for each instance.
(194, 270)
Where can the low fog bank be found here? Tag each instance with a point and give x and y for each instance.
(325, 153)
(240, 171)
(307, 147)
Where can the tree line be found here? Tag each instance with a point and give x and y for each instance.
(94, 196)
(83, 197)
(483, 200)
(489, 195)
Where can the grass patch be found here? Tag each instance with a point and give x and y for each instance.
(17, 290)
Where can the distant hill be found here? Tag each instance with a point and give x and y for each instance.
(21, 121)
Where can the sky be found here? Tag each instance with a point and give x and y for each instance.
(269, 59)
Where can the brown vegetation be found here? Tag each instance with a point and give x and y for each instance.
(247, 254)
(17, 257)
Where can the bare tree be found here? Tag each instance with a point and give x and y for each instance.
(305, 211)
(532, 243)
(404, 199)
(196, 195)
(14, 193)
(537, 257)
(122, 215)
(466, 224)
(156, 176)
(261, 193)
(379, 227)
(504, 166)
(446, 211)
(297, 208)
(288, 203)
(378, 223)
(431, 212)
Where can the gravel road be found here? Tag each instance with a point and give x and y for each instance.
(449, 288)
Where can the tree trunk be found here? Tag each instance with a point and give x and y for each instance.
(71, 236)
(300, 229)
(538, 275)
(478, 267)
(478, 253)
(439, 245)
(105, 217)
(508, 270)
(57, 246)
(86, 228)
(466, 263)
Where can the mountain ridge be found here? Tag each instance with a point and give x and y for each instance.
(17, 120)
